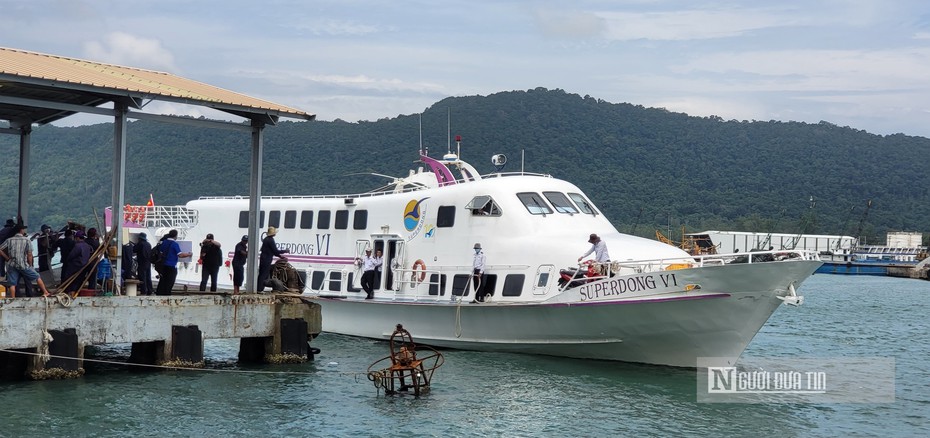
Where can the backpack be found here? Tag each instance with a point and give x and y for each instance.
(157, 256)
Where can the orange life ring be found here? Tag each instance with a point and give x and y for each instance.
(127, 213)
(422, 275)
(140, 214)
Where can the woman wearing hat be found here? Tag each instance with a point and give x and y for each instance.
(269, 251)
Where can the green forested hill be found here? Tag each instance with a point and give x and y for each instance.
(644, 167)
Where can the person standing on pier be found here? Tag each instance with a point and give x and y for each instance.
(47, 244)
(5, 233)
(143, 251)
(212, 258)
(76, 262)
(65, 245)
(93, 239)
(172, 252)
(17, 252)
(269, 251)
(240, 253)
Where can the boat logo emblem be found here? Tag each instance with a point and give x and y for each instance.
(412, 214)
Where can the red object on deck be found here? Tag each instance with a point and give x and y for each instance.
(87, 293)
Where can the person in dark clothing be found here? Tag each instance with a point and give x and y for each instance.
(65, 245)
(76, 262)
(238, 263)
(129, 261)
(211, 258)
(143, 250)
(47, 242)
(93, 239)
(5, 233)
(173, 253)
(269, 251)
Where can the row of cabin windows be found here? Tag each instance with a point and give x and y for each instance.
(323, 219)
(482, 205)
(461, 286)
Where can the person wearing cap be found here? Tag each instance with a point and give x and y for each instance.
(477, 274)
(370, 266)
(17, 252)
(211, 258)
(143, 250)
(599, 248)
(173, 254)
(46, 243)
(240, 254)
(269, 251)
(75, 265)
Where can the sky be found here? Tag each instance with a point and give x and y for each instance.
(863, 64)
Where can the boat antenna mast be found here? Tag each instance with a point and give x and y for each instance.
(421, 132)
(865, 214)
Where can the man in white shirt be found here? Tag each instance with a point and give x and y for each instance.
(478, 274)
(370, 265)
(599, 248)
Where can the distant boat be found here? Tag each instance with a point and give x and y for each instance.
(872, 260)
(653, 303)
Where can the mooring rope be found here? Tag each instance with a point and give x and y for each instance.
(356, 375)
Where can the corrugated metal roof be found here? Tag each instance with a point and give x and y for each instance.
(104, 80)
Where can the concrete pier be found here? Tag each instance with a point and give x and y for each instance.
(161, 329)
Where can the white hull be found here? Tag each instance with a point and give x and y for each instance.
(664, 327)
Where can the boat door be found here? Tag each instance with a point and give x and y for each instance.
(360, 246)
(393, 260)
(392, 253)
(545, 277)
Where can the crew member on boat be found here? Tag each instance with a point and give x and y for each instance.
(478, 274)
(599, 248)
(370, 265)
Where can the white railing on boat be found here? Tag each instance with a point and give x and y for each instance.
(610, 269)
(167, 216)
(426, 285)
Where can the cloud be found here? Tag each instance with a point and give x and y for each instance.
(688, 25)
(569, 24)
(125, 49)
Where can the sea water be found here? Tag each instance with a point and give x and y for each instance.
(492, 394)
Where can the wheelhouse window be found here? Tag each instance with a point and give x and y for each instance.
(483, 205)
(582, 203)
(560, 202)
(534, 203)
(244, 219)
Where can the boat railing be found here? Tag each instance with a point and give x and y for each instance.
(166, 216)
(593, 271)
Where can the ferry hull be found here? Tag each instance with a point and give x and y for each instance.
(667, 328)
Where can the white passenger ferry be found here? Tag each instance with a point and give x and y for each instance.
(654, 303)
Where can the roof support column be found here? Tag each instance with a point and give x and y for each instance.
(255, 206)
(25, 136)
(119, 185)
